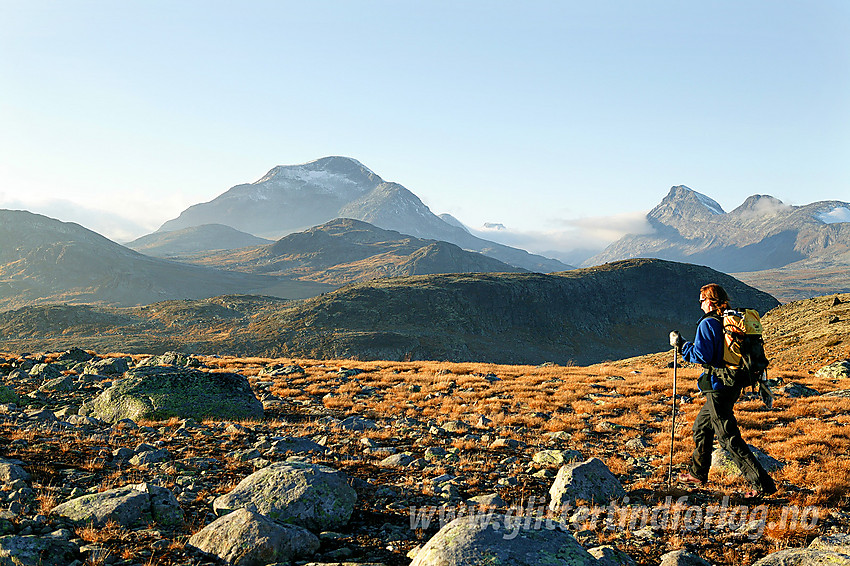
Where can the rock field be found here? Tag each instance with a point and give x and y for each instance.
(176, 459)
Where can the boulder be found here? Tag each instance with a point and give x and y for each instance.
(36, 551)
(475, 540)
(682, 558)
(836, 542)
(62, 383)
(107, 366)
(611, 556)
(245, 538)
(315, 496)
(74, 355)
(722, 461)
(159, 393)
(45, 371)
(172, 359)
(804, 557)
(296, 445)
(797, 390)
(837, 370)
(10, 471)
(556, 457)
(131, 505)
(588, 481)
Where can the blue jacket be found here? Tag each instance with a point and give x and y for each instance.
(707, 347)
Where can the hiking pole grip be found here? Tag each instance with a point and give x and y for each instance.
(673, 420)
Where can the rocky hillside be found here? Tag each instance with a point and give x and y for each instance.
(43, 260)
(196, 239)
(761, 234)
(345, 251)
(582, 316)
(297, 197)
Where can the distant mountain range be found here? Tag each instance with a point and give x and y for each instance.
(344, 251)
(43, 260)
(763, 240)
(298, 197)
(582, 316)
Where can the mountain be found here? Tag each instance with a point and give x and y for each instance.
(761, 234)
(296, 197)
(43, 260)
(193, 240)
(344, 251)
(582, 316)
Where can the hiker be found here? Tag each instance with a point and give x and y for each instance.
(716, 417)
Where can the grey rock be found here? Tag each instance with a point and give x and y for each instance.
(296, 445)
(74, 355)
(837, 370)
(610, 556)
(841, 394)
(400, 460)
(469, 541)
(172, 359)
(245, 538)
(489, 500)
(10, 472)
(722, 461)
(107, 366)
(36, 551)
(556, 457)
(804, 557)
(128, 506)
(797, 390)
(589, 481)
(682, 558)
(162, 392)
(62, 383)
(836, 542)
(46, 371)
(150, 457)
(318, 497)
(357, 424)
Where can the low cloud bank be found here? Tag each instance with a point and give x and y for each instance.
(572, 240)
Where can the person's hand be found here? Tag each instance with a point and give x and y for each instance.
(676, 340)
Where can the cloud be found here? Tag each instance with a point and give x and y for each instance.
(573, 240)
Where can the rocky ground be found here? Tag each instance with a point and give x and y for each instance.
(412, 440)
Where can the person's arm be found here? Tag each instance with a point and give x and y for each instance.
(704, 348)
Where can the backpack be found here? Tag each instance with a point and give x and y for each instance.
(743, 347)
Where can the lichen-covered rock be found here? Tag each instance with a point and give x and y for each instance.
(245, 538)
(797, 390)
(172, 359)
(160, 392)
(474, 540)
(682, 558)
(128, 506)
(296, 445)
(804, 557)
(36, 551)
(610, 556)
(45, 371)
(837, 370)
(836, 542)
(107, 366)
(556, 457)
(62, 383)
(588, 481)
(317, 497)
(722, 461)
(8, 395)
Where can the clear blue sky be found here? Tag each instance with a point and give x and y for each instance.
(537, 115)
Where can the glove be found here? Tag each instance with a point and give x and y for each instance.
(676, 340)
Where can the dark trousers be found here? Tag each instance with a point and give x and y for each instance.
(716, 420)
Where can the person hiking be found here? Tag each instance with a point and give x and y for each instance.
(716, 418)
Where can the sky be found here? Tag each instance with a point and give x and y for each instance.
(564, 121)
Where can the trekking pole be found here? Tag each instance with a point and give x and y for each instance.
(673, 425)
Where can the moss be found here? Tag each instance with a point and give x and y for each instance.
(8, 395)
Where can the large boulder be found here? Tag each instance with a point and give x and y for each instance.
(837, 370)
(107, 366)
(474, 540)
(128, 506)
(159, 393)
(682, 558)
(36, 551)
(317, 497)
(245, 538)
(804, 557)
(590, 481)
(10, 470)
(722, 461)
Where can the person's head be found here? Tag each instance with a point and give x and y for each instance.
(713, 297)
